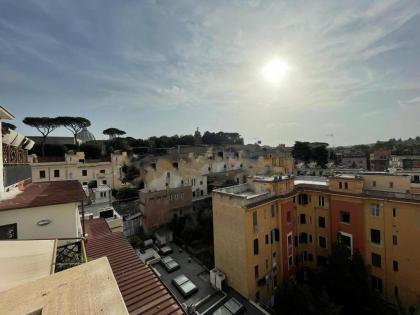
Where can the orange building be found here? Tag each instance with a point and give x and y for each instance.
(266, 228)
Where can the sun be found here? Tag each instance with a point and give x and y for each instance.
(275, 70)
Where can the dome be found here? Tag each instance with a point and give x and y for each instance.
(85, 135)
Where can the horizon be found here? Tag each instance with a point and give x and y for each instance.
(275, 72)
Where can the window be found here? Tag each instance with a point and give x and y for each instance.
(321, 222)
(193, 193)
(104, 182)
(56, 173)
(201, 182)
(394, 212)
(340, 185)
(310, 257)
(321, 201)
(310, 238)
(42, 174)
(303, 199)
(256, 273)
(290, 240)
(394, 240)
(374, 207)
(273, 211)
(102, 171)
(303, 238)
(277, 235)
(201, 192)
(396, 291)
(395, 265)
(391, 185)
(344, 216)
(289, 217)
(84, 183)
(377, 284)
(8, 231)
(346, 185)
(302, 218)
(290, 261)
(254, 219)
(84, 172)
(257, 296)
(322, 242)
(256, 246)
(374, 183)
(376, 260)
(375, 236)
(266, 238)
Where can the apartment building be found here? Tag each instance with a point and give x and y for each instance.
(275, 224)
(76, 167)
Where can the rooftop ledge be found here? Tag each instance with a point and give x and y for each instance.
(241, 191)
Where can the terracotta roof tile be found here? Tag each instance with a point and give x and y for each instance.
(45, 194)
(142, 290)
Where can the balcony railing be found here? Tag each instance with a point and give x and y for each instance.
(14, 155)
(70, 255)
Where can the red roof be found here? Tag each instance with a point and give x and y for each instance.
(142, 290)
(45, 194)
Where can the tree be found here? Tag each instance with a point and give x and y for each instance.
(92, 151)
(113, 132)
(302, 151)
(74, 125)
(127, 193)
(45, 125)
(320, 155)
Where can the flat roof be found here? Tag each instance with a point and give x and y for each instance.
(142, 290)
(24, 261)
(45, 194)
(86, 289)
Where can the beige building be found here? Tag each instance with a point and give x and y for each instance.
(76, 167)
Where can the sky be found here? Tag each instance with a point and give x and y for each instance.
(168, 67)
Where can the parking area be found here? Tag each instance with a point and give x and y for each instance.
(210, 298)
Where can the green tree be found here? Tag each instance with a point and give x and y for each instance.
(92, 151)
(320, 155)
(113, 132)
(45, 125)
(126, 193)
(302, 151)
(74, 125)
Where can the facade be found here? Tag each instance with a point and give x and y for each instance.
(159, 207)
(76, 167)
(276, 224)
(354, 161)
(405, 162)
(379, 160)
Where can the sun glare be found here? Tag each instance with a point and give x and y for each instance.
(275, 70)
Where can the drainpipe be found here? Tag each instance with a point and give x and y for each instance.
(83, 219)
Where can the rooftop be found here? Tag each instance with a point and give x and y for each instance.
(243, 191)
(86, 289)
(141, 289)
(25, 261)
(45, 194)
(273, 178)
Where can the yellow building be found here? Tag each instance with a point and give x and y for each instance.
(267, 227)
(76, 167)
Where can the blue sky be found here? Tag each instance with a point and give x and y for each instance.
(167, 67)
